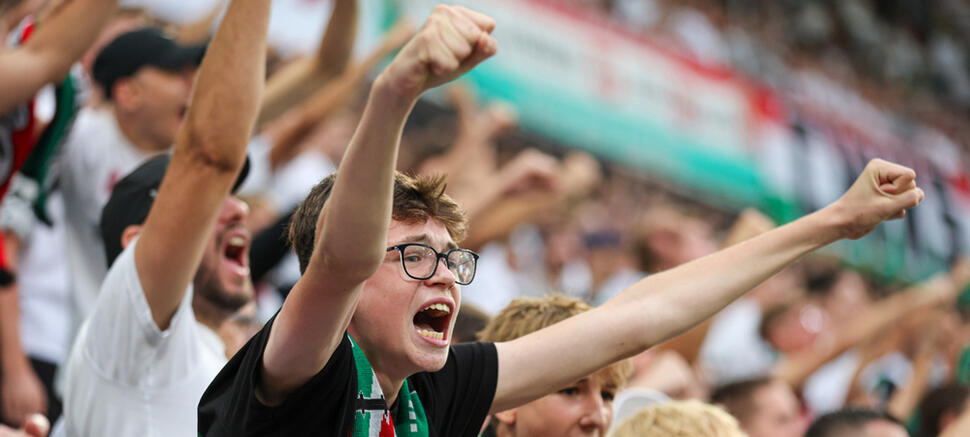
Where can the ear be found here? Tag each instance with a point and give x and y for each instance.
(126, 94)
(507, 417)
(129, 234)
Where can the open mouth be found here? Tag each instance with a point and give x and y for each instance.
(235, 252)
(432, 321)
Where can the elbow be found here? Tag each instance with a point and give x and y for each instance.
(351, 266)
(211, 149)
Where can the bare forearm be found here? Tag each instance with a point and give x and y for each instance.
(337, 44)
(354, 221)
(668, 303)
(229, 86)
(11, 353)
(59, 41)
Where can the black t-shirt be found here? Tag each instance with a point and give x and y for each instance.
(456, 399)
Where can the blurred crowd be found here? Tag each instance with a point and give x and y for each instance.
(554, 227)
(905, 58)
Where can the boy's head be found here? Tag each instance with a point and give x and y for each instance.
(403, 324)
(679, 419)
(582, 409)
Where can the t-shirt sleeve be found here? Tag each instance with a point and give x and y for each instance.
(322, 406)
(121, 337)
(457, 397)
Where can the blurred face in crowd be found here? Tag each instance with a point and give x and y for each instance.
(847, 298)
(404, 324)
(585, 408)
(154, 101)
(776, 413)
(223, 276)
(798, 327)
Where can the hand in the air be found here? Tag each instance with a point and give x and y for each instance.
(452, 41)
(883, 191)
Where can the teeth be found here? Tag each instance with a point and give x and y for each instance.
(237, 241)
(431, 334)
(439, 307)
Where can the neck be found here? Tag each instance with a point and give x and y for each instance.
(390, 386)
(208, 313)
(129, 127)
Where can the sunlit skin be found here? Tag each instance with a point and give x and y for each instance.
(383, 324)
(583, 409)
(776, 413)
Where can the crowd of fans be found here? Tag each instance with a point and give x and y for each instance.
(108, 307)
(905, 58)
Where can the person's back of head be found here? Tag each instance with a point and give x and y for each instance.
(856, 423)
(940, 407)
(679, 419)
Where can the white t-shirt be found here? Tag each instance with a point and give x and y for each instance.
(43, 289)
(733, 349)
(95, 156)
(125, 377)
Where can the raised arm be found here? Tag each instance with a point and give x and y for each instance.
(59, 41)
(351, 231)
(209, 152)
(301, 78)
(668, 303)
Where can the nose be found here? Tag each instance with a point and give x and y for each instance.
(597, 413)
(233, 210)
(442, 275)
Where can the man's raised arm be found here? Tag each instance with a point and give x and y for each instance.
(351, 231)
(668, 303)
(209, 152)
(59, 41)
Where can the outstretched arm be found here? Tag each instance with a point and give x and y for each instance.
(351, 231)
(668, 303)
(59, 41)
(209, 152)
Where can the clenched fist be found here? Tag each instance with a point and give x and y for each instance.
(452, 41)
(883, 191)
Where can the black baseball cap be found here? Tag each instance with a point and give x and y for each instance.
(132, 198)
(131, 51)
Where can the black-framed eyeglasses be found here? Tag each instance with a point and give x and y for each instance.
(420, 261)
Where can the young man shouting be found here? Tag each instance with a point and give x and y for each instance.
(361, 345)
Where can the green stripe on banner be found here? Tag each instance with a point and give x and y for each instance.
(625, 138)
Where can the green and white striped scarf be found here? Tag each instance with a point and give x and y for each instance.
(372, 418)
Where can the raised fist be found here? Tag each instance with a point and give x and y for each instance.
(452, 41)
(883, 191)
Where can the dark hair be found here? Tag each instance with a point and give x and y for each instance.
(937, 403)
(738, 397)
(848, 422)
(416, 199)
(470, 321)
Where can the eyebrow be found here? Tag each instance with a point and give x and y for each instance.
(423, 238)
